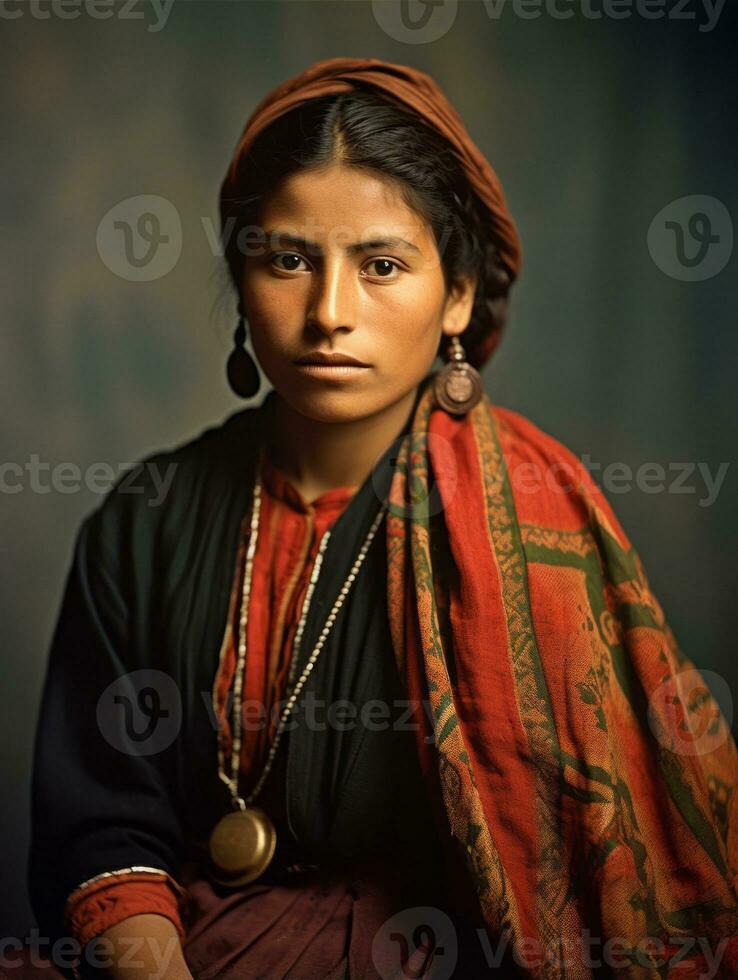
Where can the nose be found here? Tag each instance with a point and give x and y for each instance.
(333, 298)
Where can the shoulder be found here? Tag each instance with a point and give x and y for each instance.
(523, 439)
(173, 486)
(550, 484)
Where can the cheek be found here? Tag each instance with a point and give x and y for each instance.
(274, 310)
(410, 318)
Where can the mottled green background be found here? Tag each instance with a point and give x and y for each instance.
(593, 127)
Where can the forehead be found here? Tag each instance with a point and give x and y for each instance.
(345, 196)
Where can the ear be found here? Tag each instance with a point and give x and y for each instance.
(458, 307)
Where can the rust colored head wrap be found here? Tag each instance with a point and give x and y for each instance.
(412, 89)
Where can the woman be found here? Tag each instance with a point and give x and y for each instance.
(541, 793)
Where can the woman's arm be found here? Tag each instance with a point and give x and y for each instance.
(144, 947)
(102, 798)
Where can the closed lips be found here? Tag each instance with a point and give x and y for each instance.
(331, 359)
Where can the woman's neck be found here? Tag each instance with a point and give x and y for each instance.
(320, 456)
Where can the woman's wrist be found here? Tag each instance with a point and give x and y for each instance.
(141, 947)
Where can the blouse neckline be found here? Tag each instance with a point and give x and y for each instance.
(279, 485)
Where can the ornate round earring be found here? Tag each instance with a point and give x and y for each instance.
(242, 372)
(458, 386)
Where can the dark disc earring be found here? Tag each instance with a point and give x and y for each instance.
(242, 372)
(458, 386)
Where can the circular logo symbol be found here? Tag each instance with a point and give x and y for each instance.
(140, 239)
(415, 21)
(684, 713)
(691, 239)
(140, 713)
(419, 942)
(422, 498)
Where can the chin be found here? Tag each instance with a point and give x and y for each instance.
(333, 402)
(333, 406)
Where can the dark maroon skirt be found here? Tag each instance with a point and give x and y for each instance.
(366, 922)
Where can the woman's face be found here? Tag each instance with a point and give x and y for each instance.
(345, 267)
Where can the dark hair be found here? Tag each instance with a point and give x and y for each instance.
(364, 129)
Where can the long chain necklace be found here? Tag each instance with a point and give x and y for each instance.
(243, 842)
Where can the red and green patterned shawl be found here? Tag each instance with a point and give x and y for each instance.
(587, 774)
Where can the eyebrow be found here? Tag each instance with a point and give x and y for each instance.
(388, 241)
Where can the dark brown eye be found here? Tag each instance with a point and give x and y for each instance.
(384, 267)
(287, 258)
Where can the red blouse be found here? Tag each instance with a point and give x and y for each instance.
(290, 531)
